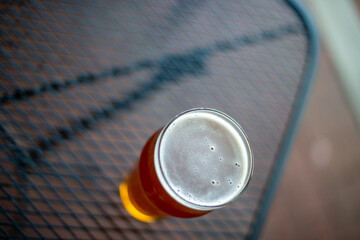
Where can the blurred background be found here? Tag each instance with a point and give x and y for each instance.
(70, 136)
(319, 194)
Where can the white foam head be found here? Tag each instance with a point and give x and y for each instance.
(203, 159)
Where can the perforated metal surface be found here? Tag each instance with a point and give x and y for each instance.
(85, 83)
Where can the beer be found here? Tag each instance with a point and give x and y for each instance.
(200, 161)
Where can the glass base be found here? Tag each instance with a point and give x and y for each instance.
(129, 206)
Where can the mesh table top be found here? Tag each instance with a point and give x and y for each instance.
(85, 83)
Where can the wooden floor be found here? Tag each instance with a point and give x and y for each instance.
(319, 194)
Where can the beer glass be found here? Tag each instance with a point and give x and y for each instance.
(200, 161)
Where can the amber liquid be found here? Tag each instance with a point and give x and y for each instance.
(143, 195)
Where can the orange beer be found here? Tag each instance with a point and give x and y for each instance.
(200, 161)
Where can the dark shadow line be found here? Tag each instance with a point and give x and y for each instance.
(18, 155)
(121, 71)
(171, 68)
(57, 86)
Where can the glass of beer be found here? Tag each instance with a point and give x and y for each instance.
(200, 161)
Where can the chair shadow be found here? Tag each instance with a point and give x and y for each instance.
(169, 70)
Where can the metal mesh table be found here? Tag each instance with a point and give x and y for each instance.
(85, 83)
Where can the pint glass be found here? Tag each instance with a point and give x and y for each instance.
(200, 161)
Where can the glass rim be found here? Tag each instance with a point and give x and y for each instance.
(172, 192)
